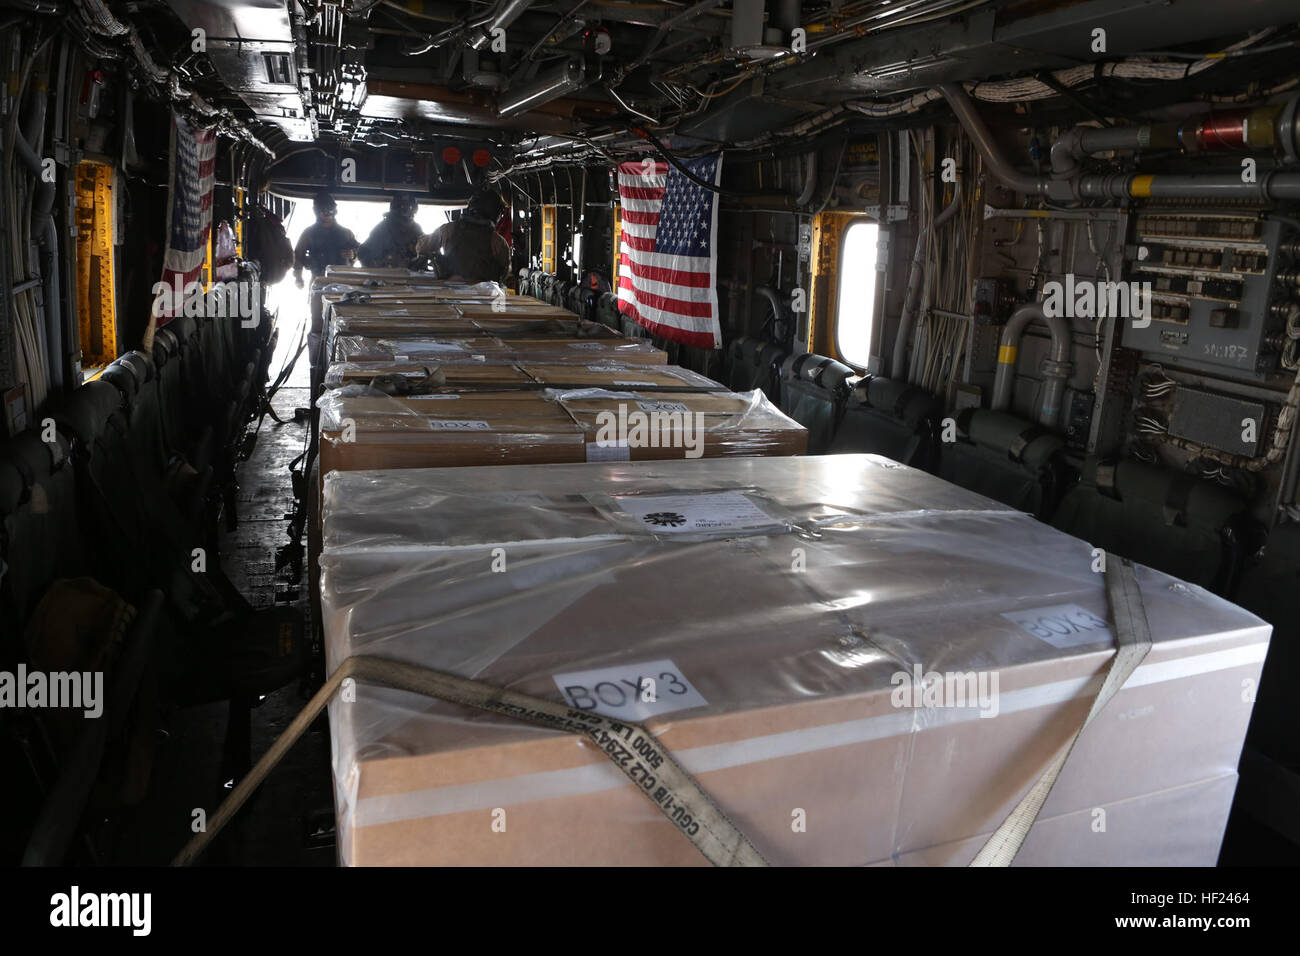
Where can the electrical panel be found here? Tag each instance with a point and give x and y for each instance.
(1078, 421)
(992, 299)
(1219, 290)
(1229, 424)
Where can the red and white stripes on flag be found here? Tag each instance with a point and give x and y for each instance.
(668, 255)
(189, 214)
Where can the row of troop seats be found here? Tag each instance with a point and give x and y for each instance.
(596, 305)
(1179, 523)
(599, 306)
(564, 293)
(109, 561)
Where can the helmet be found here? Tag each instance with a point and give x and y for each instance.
(486, 204)
(324, 202)
(403, 205)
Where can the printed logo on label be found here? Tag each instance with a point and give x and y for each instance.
(1062, 625)
(660, 406)
(707, 512)
(630, 692)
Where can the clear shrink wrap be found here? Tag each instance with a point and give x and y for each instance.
(795, 615)
(615, 376)
(444, 430)
(636, 425)
(375, 302)
(347, 321)
(465, 377)
(478, 375)
(534, 351)
(362, 427)
(425, 282)
(429, 348)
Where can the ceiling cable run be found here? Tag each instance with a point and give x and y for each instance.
(99, 20)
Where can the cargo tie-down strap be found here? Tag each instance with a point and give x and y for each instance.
(644, 761)
(1133, 640)
(630, 747)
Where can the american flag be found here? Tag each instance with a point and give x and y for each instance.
(189, 217)
(668, 257)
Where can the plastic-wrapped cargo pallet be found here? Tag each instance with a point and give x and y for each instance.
(469, 377)
(493, 350)
(453, 327)
(365, 429)
(458, 323)
(337, 305)
(431, 376)
(857, 662)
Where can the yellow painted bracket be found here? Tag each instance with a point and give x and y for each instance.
(548, 239)
(618, 243)
(96, 292)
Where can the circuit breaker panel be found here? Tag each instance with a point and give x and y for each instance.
(1221, 286)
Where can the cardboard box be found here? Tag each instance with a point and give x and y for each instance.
(454, 326)
(639, 377)
(643, 426)
(792, 639)
(384, 277)
(444, 430)
(480, 377)
(350, 321)
(389, 303)
(548, 426)
(493, 350)
(465, 377)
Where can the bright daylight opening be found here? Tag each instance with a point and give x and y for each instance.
(856, 312)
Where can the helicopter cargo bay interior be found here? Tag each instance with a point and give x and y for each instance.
(619, 433)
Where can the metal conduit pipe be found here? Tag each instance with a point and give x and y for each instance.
(1272, 186)
(1066, 184)
(1082, 141)
(896, 365)
(47, 237)
(1056, 367)
(564, 79)
(809, 183)
(994, 161)
(507, 14)
(774, 300)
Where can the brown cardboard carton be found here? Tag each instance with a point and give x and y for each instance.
(494, 350)
(443, 430)
(480, 377)
(639, 377)
(793, 608)
(475, 428)
(466, 377)
(638, 425)
(384, 278)
(350, 321)
(395, 303)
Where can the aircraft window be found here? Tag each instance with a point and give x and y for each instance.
(855, 314)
